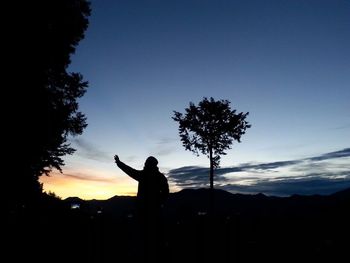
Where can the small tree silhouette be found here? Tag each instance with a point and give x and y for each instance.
(210, 129)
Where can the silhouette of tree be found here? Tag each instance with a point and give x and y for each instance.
(47, 99)
(210, 129)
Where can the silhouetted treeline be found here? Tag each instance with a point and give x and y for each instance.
(44, 108)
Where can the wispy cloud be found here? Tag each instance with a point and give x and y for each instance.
(314, 175)
(89, 177)
(332, 155)
(90, 151)
(164, 146)
(342, 127)
(311, 184)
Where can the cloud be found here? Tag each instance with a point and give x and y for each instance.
(164, 146)
(85, 177)
(90, 151)
(189, 175)
(321, 174)
(308, 185)
(342, 127)
(332, 155)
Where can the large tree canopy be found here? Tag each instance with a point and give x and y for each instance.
(210, 128)
(46, 100)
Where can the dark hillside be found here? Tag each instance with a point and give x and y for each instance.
(199, 225)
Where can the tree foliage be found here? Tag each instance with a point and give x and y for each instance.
(210, 128)
(47, 101)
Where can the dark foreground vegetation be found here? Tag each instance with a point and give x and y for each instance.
(198, 226)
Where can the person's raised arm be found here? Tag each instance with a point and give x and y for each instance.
(133, 173)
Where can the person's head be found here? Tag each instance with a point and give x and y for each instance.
(151, 163)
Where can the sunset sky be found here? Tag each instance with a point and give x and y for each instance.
(286, 62)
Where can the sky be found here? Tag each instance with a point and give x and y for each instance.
(286, 62)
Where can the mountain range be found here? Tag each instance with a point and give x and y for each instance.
(196, 202)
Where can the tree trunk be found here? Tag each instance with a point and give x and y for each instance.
(211, 175)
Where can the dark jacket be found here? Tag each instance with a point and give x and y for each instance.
(153, 188)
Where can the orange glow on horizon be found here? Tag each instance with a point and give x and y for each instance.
(93, 185)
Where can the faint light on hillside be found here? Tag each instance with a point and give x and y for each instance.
(202, 213)
(75, 206)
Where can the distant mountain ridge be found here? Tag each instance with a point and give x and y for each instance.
(345, 193)
(192, 202)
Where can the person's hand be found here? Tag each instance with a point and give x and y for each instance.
(116, 158)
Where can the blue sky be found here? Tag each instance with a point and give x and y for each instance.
(287, 63)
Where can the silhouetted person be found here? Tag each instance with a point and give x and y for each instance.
(153, 189)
